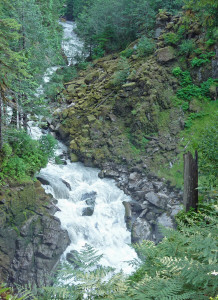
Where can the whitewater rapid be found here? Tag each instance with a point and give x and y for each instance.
(91, 208)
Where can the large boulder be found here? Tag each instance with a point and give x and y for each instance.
(165, 54)
(159, 200)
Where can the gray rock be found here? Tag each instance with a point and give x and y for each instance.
(89, 198)
(128, 214)
(176, 209)
(72, 258)
(137, 207)
(67, 184)
(141, 230)
(158, 32)
(134, 176)
(165, 54)
(151, 216)
(43, 180)
(165, 221)
(159, 200)
(88, 211)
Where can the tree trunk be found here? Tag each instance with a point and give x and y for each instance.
(190, 196)
(25, 120)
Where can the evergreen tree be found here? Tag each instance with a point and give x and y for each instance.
(12, 62)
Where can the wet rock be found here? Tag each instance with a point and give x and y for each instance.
(128, 214)
(72, 257)
(88, 211)
(67, 184)
(74, 157)
(62, 132)
(141, 230)
(43, 180)
(89, 198)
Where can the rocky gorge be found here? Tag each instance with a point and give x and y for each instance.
(118, 115)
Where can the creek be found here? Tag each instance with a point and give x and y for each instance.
(91, 208)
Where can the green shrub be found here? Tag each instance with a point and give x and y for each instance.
(205, 86)
(122, 73)
(24, 156)
(171, 38)
(191, 117)
(98, 52)
(127, 53)
(210, 42)
(185, 106)
(188, 92)
(184, 76)
(186, 47)
(145, 46)
(202, 59)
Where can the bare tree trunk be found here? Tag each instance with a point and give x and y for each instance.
(190, 196)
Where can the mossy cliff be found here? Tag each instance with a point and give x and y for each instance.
(31, 238)
(125, 109)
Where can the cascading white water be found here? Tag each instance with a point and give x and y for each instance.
(71, 43)
(91, 208)
(105, 229)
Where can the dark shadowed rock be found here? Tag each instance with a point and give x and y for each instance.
(42, 180)
(88, 211)
(72, 257)
(67, 184)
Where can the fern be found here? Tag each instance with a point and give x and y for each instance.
(180, 267)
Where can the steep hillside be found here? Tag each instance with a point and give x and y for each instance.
(133, 108)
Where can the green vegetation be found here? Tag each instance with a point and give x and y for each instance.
(108, 26)
(182, 266)
(21, 156)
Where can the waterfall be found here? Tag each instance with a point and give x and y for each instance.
(91, 208)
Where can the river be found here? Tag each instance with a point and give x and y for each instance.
(91, 208)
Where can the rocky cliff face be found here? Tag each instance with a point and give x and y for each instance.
(31, 238)
(121, 115)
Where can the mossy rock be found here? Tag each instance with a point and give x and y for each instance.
(74, 157)
(91, 118)
(91, 77)
(165, 54)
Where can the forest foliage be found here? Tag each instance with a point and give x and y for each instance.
(184, 264)
(30, 42)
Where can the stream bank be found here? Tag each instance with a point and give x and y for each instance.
(31, 237)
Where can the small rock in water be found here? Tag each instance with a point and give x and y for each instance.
(89, 198)
(88, 211)
(67, 184)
